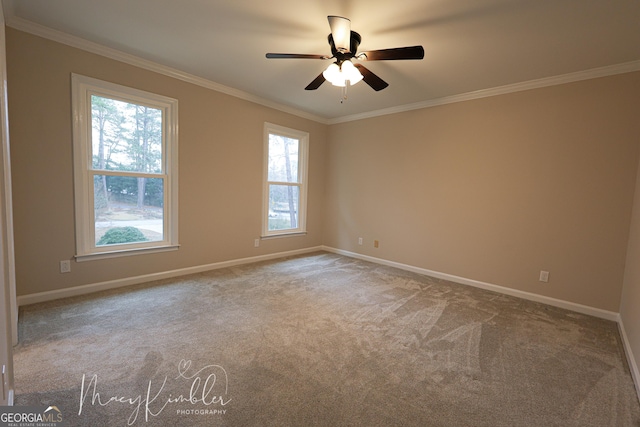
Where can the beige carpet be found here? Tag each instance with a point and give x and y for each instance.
(320, 340)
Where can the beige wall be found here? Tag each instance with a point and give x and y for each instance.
(220, 169)
(630, 302)
(496, 189)
(493, 190)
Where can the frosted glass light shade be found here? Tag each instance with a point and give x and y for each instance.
(351, 73)
(333, 74)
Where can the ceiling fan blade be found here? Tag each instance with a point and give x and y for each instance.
(341, 32)
(371, 79)
(409, 52)
(295, 55)
(315, 84)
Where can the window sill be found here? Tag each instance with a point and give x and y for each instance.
(127, 252)
(281, 235)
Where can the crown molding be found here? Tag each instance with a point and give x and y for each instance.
(80, 43)
(610, 70)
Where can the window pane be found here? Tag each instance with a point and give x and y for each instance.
(125, 136)
(128, 209)
(283, 159)
(283, 207)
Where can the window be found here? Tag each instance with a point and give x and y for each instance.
(285, 180)
(125, 145)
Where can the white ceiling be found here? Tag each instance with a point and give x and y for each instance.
(470, 45)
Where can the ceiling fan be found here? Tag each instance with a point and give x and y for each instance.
(344, 47)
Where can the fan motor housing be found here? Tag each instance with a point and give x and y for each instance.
(353, 48)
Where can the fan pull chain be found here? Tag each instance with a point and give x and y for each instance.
(344, 92)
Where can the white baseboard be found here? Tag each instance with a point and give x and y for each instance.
(118, 283)
(633, 366)
(112, 284)
(584, 309)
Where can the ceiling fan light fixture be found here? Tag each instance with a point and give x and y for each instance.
(338, 75)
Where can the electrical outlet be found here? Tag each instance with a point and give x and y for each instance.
(360, 241)
(256, 243)
(544, 276)
(65, 266)
(376, 244)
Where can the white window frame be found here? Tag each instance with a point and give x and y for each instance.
(82, 89)
(303, 155)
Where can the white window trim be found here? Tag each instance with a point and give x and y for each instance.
(303, 153)
(82, 88)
